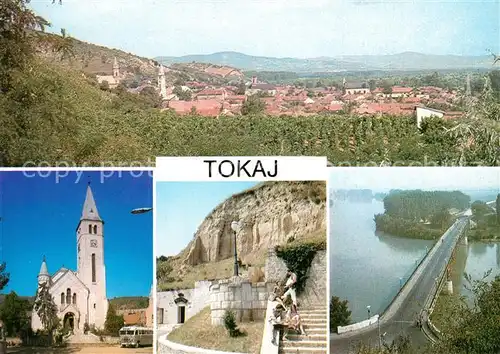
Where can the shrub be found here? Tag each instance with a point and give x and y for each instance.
(230, 324)
(298, 259)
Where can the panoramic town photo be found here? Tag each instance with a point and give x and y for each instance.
(241, 267)
(414, 260)
(77, 272)
(361, 82)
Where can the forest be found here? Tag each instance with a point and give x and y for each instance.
(419, 214)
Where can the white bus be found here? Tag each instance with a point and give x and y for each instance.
(136, 336)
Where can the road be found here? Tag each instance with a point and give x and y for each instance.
(111, 349)
(403, 320)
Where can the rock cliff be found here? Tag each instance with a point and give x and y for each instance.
(269, 214)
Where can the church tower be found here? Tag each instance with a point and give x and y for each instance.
(90, 252)
(43, 275)
(116, 69)
(162, 85)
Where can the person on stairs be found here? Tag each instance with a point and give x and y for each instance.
(277, 320)
(290, 287)
(295, 322)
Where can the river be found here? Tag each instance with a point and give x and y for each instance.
(475, 259)
(367, 268)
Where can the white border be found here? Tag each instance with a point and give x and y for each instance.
(196, 169)
(328, 245)
(155, 326)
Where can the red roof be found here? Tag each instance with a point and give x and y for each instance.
(400, 89)
(211, 92)
(203, 107)
(335, 107)
(387, 108)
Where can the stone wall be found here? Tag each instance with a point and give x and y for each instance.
(275, 267)
(315, 291)
(197, 299)
(247, 300)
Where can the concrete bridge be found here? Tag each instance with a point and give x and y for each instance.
(411, 304)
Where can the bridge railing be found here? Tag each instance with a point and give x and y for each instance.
(431, 300)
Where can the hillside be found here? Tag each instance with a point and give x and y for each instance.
(93, 59)
(401, 61)
(270, 214)
(130, 302)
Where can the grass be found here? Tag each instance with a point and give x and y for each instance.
(206, 271)
(199, 332)
(445, 309)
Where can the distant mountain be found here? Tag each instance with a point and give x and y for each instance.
(402, 61)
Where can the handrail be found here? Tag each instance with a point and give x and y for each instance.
(267, 347)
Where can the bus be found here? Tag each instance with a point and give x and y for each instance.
(136, 336)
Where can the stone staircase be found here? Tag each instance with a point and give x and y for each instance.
(314, 319)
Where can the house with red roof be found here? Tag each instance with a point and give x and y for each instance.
(208, 107)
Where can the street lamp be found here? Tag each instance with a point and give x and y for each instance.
(368, 308)
(235, 227)
(141, 210)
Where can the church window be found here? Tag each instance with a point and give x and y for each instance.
(62, 298)
(94, 305)
(90, 229)
(74, 298)
(95, 229)
(68, 296)
(93, 267)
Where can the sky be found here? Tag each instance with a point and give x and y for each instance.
(281, 28)
(39, 216)
(430, 178)
(182, 206)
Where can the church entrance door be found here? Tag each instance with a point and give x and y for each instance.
(69, 322)
(182, 314)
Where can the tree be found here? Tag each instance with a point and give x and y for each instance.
(46, 309)
(4, 277)
(113, 321)
(372, 84)
(387, 88)
(340, 315)
(441, 219)
(252, 105)
(497, 207)
(184, 95)
(241, 89)
(14, 314)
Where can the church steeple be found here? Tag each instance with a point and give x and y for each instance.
(43, 275)
(116, 68)
(162, 85)
(89, 211)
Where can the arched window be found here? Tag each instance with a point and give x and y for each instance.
(90, 229)
(95, 229)
(62, 298)
(74, 298)
(68, 296)
(93, 267)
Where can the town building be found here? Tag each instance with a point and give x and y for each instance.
(112, 80)
(80, 295)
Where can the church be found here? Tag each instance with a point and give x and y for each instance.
(80, 296)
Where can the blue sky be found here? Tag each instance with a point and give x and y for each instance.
(281, 28)
(429, 178)
(40, 216)
(182, 206)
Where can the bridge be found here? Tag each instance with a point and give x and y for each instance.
(492, 205)
(411, 303)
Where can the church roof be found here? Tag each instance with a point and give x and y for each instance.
(43, 268)
(89, 211)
